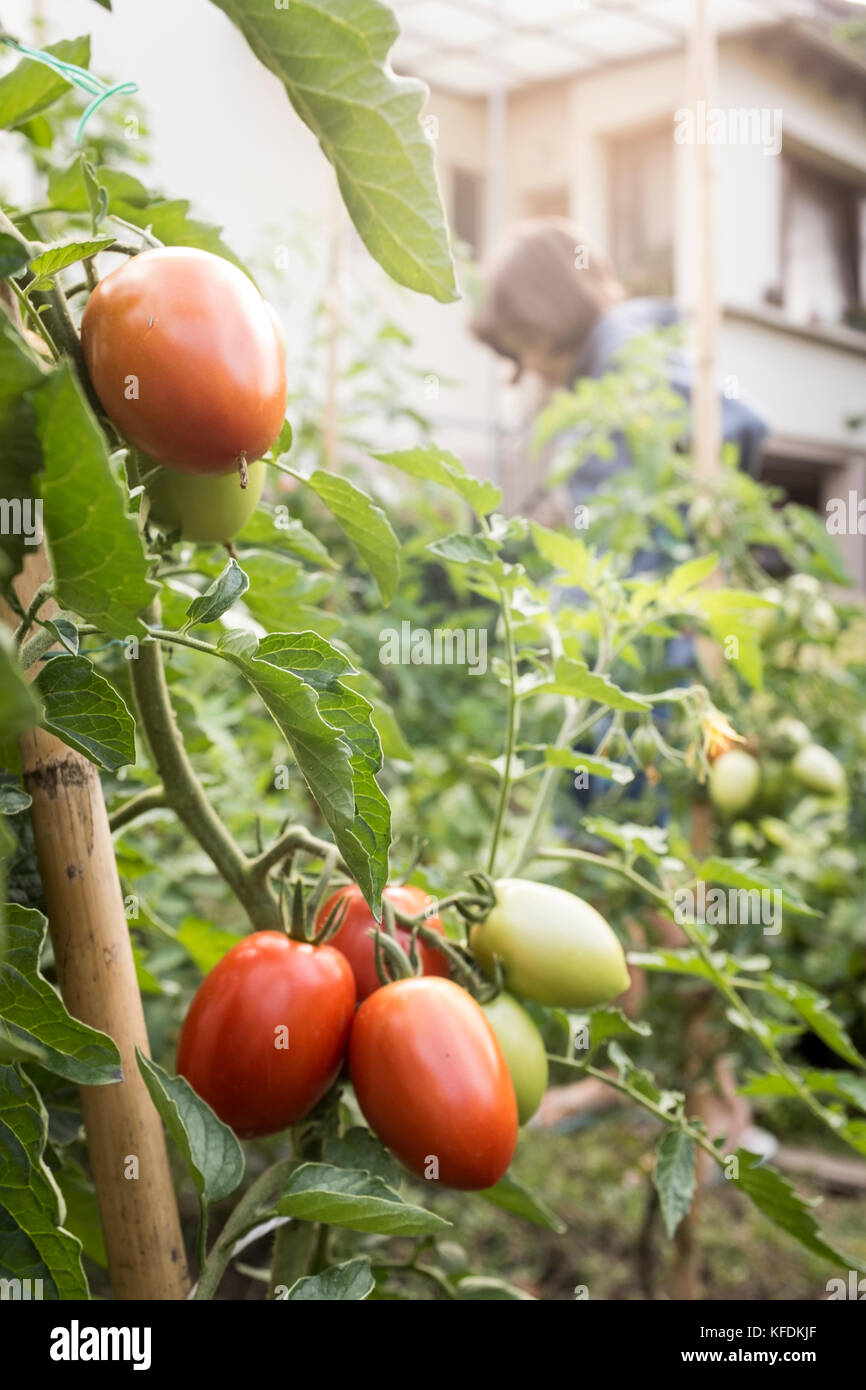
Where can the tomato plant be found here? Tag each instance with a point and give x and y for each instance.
(184, 356)
(263, 766)
(353, 937)
(433, 1082)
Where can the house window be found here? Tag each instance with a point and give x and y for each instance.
(642, 210)
(467, 208)
(823, 247)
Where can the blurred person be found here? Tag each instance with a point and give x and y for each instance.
(555, 306)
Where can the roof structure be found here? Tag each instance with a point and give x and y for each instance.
(475, 47)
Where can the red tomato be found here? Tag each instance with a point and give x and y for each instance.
(266, 1032)
(184, 356)
(433, 1083)
(359, 948)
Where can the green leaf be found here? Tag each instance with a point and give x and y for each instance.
(209, 1148)
(578, 761)
(360, 1149)
(205, 943)
(31, 1010)
(356, 1200)
(229, 585)
(332, 57)
(816, 1013)
(85, 711)
(82, 1212)
(775, 1197)
(13, 256)
(276, 529)
(742, 873)
(19, 709)
(464, 550)
(31, 86)
(438, 466)
(675, 1177)
(352, 1280)
(512, 1196)
(58, 257)
(566, 553)
(574, 678)
(67, 188)
(99, 566)
(28, 1192)
(20, 452)
(844, 1085)
(607, 1023)
(688, 576)
(13, 800)
(366, 525)
(64, 630)
(336, 746)
(648, 840)
(482, 1287)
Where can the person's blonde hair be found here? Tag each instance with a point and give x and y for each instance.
(544, 288)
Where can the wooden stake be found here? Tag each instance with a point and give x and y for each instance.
(96, 972)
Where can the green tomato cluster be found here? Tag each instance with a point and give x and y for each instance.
(738, 781)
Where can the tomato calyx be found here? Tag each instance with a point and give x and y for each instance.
(390, 956)
(300, 925)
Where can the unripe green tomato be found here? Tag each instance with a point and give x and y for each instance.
(524, 1052)
(819, 619)
(207, 510)
(805, 586)
(819, 770)
(554, 947)
(734, 781)
(615, 745)
(644, 743)
(788, 735)
(775, 785)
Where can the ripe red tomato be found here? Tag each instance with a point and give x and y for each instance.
(433, 1083)
(266, 1032)
(359, 948)
(184, 356)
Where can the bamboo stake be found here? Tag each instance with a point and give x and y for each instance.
(96, 972)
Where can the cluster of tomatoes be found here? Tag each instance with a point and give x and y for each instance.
(187, 361)
(442, 1079)
(738, 781)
